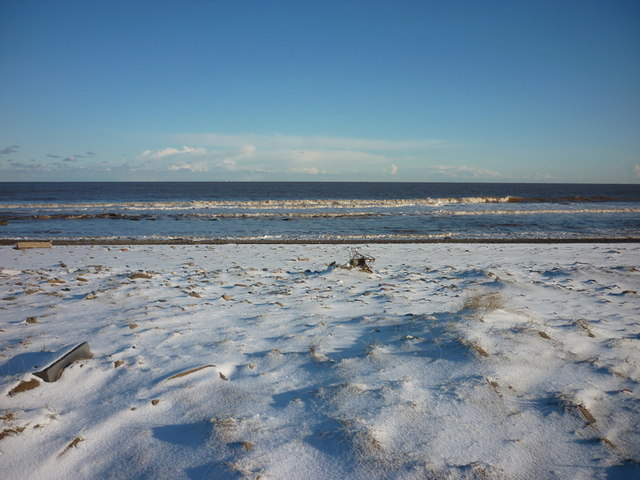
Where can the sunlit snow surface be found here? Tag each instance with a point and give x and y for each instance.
(466, 361)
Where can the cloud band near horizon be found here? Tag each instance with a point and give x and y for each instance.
(286, 154)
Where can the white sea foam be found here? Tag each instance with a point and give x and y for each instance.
(539, 211)
(267, 204)
(316, 213)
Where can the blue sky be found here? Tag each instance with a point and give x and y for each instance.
(335, 90)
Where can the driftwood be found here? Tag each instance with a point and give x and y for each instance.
(25, 245)
(54, 371)
(361, 261)
(188, 372)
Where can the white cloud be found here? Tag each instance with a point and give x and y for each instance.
(539, 177)
(301, 155)
(239, 162)
(335, 158)
(280, 156)
(290, 142)
(167, 152)
(464, 171)
(307, 171)
(192, 167)
(230, 162)
(636, 169)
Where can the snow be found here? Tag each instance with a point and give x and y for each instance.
(456, 361)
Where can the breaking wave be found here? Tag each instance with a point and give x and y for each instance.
(288, 215)
(300, 204)
(307, 204)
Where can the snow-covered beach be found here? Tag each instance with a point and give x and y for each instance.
(269, 361)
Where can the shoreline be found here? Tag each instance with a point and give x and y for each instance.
(316, 241)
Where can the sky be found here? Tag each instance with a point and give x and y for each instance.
(494, 91)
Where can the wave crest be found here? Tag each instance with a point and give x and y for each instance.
(274, 204)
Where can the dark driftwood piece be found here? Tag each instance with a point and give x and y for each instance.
(53, 371)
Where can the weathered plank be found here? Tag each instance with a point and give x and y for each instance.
(26, 245)
(53, 371)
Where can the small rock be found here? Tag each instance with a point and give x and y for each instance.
(227, 298)
(194, 294)
(118, 363)
(155, 401)
(31, 320)
(90, 296)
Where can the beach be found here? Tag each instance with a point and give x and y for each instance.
(437, 360)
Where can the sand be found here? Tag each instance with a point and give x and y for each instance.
(456, 361)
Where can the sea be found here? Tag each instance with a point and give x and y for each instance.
(317, 211)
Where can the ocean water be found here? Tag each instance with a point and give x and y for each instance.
(317, 211)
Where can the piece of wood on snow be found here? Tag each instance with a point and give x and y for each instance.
(53, 371)
(26, 245)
